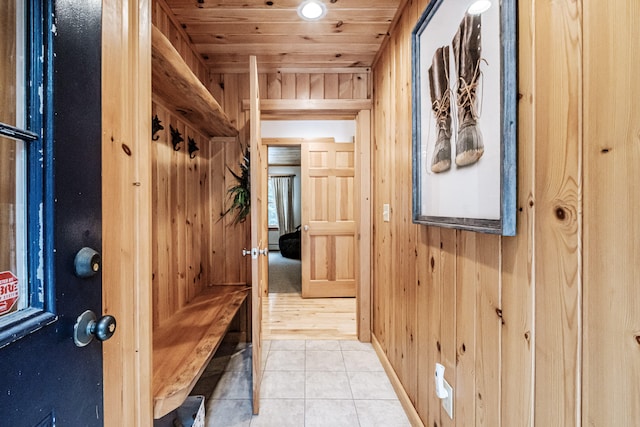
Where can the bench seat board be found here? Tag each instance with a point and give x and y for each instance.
(184, 344)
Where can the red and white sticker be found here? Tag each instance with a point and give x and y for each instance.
(8, 291)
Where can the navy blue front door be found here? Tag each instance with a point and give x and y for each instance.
(45, 378)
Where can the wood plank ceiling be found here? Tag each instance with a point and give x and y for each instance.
(226, 32)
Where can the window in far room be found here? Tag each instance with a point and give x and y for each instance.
(271, 207)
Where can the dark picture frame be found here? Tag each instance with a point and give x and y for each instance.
(464, 117)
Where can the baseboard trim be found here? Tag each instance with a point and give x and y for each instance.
(409, 409)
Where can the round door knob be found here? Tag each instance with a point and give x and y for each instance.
(88, 327)
(87, 263)
(104, 328)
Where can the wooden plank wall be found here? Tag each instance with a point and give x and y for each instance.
(127, 209)
(611, 295)
(181, 218)
(186, 230)
(526, 326)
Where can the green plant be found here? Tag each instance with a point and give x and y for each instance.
(240, 194)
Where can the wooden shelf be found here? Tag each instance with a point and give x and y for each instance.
(174, 82)
(185, 343)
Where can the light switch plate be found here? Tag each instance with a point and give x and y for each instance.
(447, 402)
(386, 212)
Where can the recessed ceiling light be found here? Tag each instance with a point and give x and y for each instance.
(312, 10)
(479, 6)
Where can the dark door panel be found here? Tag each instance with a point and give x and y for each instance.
(45, 379)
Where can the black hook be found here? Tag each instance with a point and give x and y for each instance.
(192, 148)
(156, 126)
(176, 138)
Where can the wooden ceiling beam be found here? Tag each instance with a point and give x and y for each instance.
(325, 106)
(291, 29)
(290, 49)
(286, 16)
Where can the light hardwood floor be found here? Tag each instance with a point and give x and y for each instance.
(289, 316)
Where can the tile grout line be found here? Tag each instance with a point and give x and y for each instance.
(353, 400)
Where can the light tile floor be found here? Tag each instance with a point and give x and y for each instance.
(305, 384)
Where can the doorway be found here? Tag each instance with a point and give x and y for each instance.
(284, 220)
(286, 314)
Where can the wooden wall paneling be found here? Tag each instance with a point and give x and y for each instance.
(234, 236)
(303, 86)
(274, 86)
(467, 284)
(361, 86)
(244, 92)
(611, 370)
(179, 216)
(395, 313)
(316, 86)
(288, 82)
(345, 86)
(127, 288)
(382, 195)
(218, 202)
(429, 301)
(488, 330)
(331, 86)
(163, 294)
(408, 251)
(156, 194)
(448, 280)
(263, 85)
(518, 278)
(216, 87)
(189, 217)
(200, 244)
(207, 211)
(558, 223)
(364, 167)
(193, 192)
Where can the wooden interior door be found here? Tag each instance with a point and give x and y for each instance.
(329, 246)
(259, 231)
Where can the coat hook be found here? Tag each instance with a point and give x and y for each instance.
(156, 126)
(192, 148)
(176, 138)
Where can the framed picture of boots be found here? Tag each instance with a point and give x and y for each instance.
(464, 115)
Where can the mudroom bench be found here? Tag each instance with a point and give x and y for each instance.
(185, 343)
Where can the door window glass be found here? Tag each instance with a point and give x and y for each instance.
(13, 228)
(26, 304)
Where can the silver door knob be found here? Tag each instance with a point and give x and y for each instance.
(245, 252)
(88, 327)
(306, 228)
(264, 251)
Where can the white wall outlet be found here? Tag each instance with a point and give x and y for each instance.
(386, 212)
(447, 402)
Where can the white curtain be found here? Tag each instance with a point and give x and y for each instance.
(283, 192)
